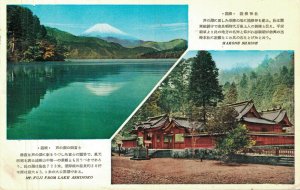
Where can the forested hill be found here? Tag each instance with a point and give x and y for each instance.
(270, 85)
(177, 43)
(28, 41)
(80, 47)
(268, 65)
(95, 48)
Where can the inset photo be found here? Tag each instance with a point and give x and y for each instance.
(79, 71)
(219, 117)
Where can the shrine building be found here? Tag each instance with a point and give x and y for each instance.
(270, 127)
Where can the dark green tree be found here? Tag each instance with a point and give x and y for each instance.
(291, 77)
(174, 91)
(232, 136)
(243, 88)
(253, 75)
(226, 86)
(231, 96)
(222, 119)
(232, 142)
(150, 108)
(244, 81)
(287, 76)
(27, 38)
(204, 87)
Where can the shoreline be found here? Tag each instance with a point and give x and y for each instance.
(90, 61)
(87, 61)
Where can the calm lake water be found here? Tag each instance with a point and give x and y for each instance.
(77, 100)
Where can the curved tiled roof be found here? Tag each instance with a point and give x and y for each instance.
(184, 122)
(242, 108)
(155, 122)
(152, 122)
(269, 117)
(265, 117)
(258, 120)
(275, 115)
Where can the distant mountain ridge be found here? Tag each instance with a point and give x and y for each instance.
(269, 85)
(80, 47)
(285, 58)
(177, 43)
(268, 65)
(124, 42)
(83, 47)
(110, 33)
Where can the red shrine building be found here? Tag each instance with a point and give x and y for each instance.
(270, 127)
(163, 132)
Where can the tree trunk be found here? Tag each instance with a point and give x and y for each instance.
(204, 111)
(13, 43)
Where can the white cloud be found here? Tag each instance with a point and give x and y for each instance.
(65, 25)
(170, 26)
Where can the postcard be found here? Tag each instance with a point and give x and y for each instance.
(149, 94)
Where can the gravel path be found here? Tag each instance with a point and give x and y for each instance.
(185, 171)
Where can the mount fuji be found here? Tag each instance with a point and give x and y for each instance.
(111, 34)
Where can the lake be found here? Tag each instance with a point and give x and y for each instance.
(77, 100)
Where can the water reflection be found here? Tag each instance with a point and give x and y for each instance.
(77, 100)
(103, 89)
(28, 84)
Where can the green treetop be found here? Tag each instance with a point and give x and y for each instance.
(205, 90)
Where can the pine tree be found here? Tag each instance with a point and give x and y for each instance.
(226, 86)
(27, 39)
(253, 75)
(244, 81)
(174, 91)
(243, 88)
(204, 87)
(231, 95)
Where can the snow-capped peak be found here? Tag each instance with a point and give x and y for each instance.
(103, 28)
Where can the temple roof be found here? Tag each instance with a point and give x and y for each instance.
(265, 117)
(269, 117)
(275, 115)
(258, 120)
(184, 122)
(242, 108)
(153, 122)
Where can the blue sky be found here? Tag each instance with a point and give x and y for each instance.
(234, 58)
(146, 22)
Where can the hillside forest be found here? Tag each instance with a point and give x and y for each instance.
(270, 85)
(27, 39)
